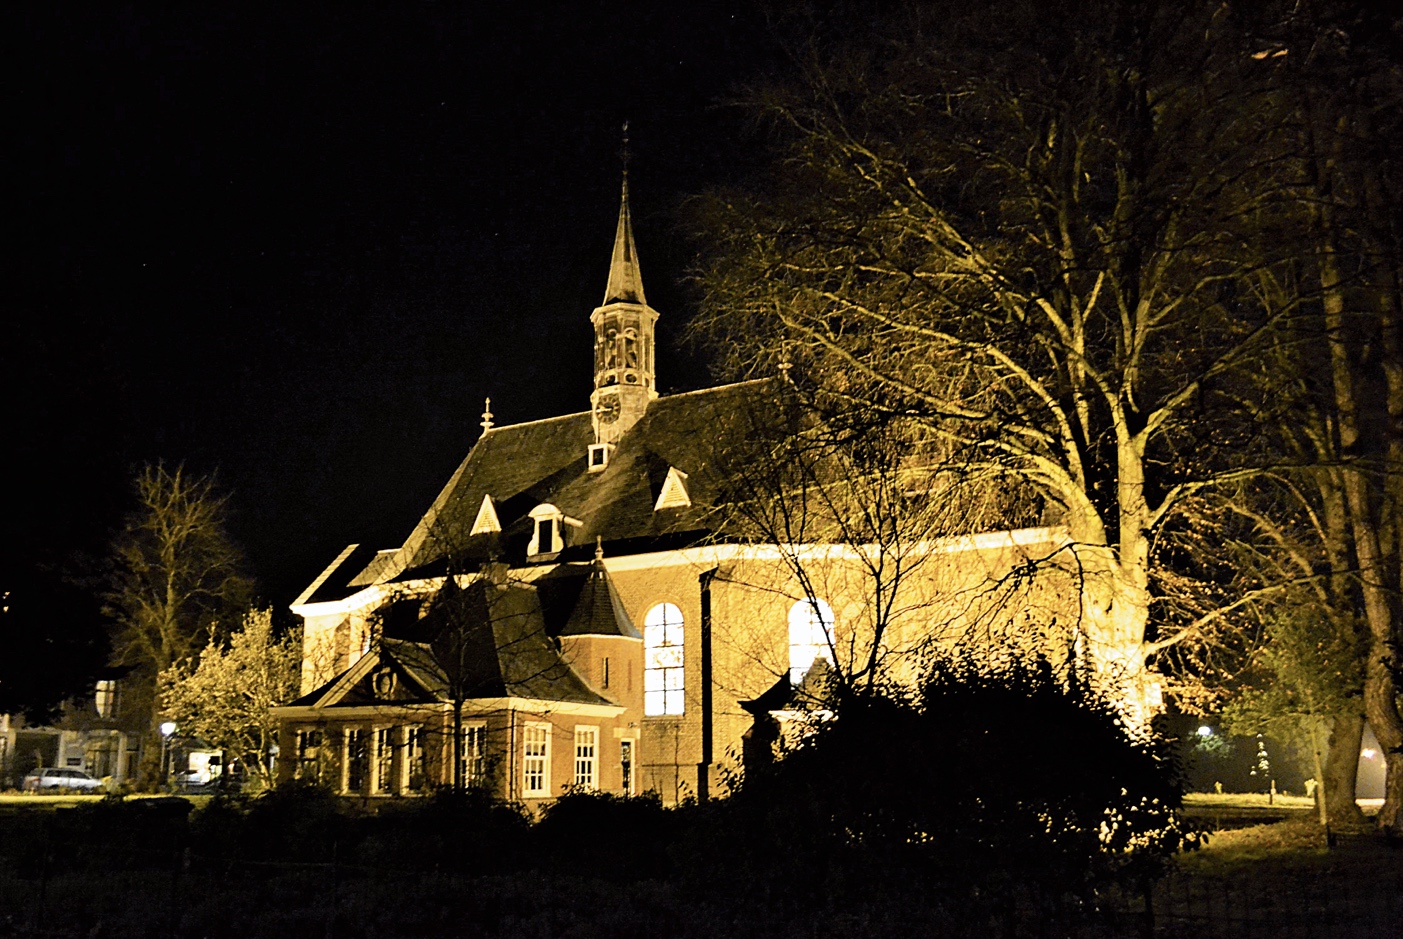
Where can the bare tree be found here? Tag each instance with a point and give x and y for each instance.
(868, 512)
(1034, 251)
(175, 574)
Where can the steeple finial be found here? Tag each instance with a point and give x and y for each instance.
(625, 280)
(486, 423)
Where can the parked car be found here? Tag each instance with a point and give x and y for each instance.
(58, 777)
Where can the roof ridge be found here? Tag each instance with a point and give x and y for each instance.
(498, 428)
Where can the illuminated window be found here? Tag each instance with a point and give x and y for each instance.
(384, 759)
(356, 760)
(105, 697)
(535, 762)
(587, 757)
(626, 765)
(810, 636)
(414, 775)
(662, 661)
(475, 755)
(309, 755)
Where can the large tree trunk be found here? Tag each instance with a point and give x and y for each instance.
(1341, 770)
(1366, 516)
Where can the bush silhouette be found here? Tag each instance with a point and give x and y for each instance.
(987, 792)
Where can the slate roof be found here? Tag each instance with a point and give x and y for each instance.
(522, 466)
(599, 611)
(491, 642)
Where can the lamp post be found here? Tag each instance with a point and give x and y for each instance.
(167, 729)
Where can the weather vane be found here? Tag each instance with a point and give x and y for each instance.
(624, 152)
(486, 422)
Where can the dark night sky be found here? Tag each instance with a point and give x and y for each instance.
(301, 246)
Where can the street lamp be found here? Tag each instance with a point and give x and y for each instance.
(167, 729)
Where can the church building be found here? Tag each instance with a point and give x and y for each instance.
(568, 613)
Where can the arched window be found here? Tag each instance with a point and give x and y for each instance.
(810, 636)
(662, 660)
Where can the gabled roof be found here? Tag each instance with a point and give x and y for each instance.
(481, 641)
(521, 466)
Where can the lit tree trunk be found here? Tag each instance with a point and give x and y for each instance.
(1339, 776)
(1366, 516)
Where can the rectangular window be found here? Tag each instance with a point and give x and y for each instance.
(385, 759)
(105, 697)
(535, 762)
(356, 759)
(587, 757)
(475, 755)
(414, 775)
(309, 755)
(626, 765)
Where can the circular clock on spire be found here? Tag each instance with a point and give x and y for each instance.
(608, 409)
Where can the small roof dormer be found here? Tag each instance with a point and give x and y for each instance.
(486, 522)
(673, 494)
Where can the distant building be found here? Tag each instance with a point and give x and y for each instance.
(98, 733)
(598, 631)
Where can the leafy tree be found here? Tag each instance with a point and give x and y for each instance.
(225, 697)
(175, 575)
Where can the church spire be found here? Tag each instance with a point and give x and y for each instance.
(624, 382)
(625, 281)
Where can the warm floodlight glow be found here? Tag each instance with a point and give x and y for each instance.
(1205, 731)
(167, 728)
(1368, 753)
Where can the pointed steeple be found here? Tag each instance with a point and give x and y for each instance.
(625, 280)
(624, 381)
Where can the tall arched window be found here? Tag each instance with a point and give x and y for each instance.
(810, 636)
(662, 660)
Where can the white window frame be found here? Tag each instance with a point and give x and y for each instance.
(474, 753)
(382, 737)
(412, 739)
(810, 636)
(550, 514)
(347, 734)
(586, 756)
(535, 760)
(664, 661)
(629, 780)
(104, 697)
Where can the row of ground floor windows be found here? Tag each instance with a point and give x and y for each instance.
(387, 760)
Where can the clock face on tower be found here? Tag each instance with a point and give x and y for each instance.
(608, 409)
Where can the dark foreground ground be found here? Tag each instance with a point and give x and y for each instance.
(1266, 880)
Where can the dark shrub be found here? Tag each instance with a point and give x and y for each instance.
(992, 794)
(613, 837)
(467, 832)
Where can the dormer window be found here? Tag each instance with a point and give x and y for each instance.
(599, 454)
(486, 521)
(547, 529)
(673, 494)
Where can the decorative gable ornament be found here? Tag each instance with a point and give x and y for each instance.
(674, 491)
(486, 522)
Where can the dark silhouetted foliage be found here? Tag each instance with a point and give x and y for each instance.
(990, 793)
(624, 839)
